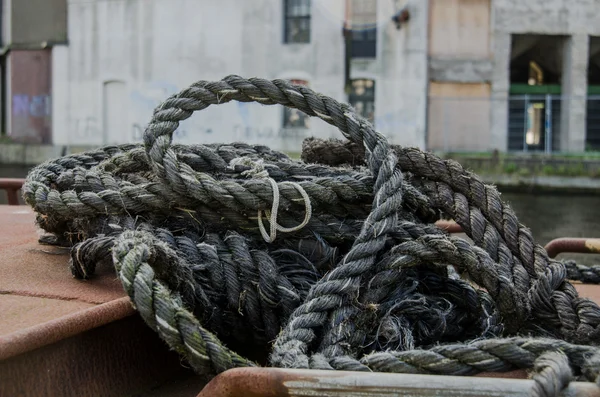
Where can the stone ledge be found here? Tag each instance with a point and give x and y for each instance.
(460, 70)
(547, 184)
(30, 154)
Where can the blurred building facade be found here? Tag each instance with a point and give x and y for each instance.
(514, 75)
(460, 75)
(29, 30)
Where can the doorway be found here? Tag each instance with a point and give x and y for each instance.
(535, 93)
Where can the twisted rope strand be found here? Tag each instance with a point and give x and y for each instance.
(363, 283)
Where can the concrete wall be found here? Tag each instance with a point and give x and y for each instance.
(400, 71)
(459, 41)
(23, 154)
(459, 117)
(460, 29)
(574, 91)
(124, 57)
(460, 69)
(556, 17)
(37, 21)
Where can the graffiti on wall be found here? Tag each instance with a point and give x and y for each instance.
(88, 127)
(30, 98)
(394, 124)
(85, 128)
(31, 105)
(245, 132)
(137, 132)
(144, 100)
(31, 118)
(152, 94)
(237, 121)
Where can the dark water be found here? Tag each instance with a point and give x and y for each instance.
(13, 171)
(553, 216)
(548, 216)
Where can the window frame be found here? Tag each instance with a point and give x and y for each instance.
(364, 36)
(287, 17)
(369, 96)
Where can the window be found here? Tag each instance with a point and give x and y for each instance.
(294, 118)
(535, 123)
(362, 98)
(364, 28)
(297, 21)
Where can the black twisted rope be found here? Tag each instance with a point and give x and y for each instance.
(366, 284)
(589, 274)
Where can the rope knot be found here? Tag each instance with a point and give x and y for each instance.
(258, 170)
(257, 167)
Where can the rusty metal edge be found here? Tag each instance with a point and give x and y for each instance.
(11, 185)
(571, 244)
(123, 358)
(449, 226)
(31, 338)
(553, 248)
(276, 382)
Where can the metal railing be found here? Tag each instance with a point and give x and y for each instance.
(554, 247)
(534, 123)
(11, 186)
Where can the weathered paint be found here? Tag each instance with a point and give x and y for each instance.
(460, 29)
(30, 96)
(448, 127)
(593, 245)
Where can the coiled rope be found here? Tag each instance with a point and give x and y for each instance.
(359, 277)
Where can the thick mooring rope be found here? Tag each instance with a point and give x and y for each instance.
(358, 278)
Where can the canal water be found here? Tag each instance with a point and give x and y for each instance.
(548, 216)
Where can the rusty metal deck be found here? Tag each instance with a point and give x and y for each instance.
(62, 336)
(36, 289)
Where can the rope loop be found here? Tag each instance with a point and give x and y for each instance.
(272, 215)
(361, 283)
(257, 170)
